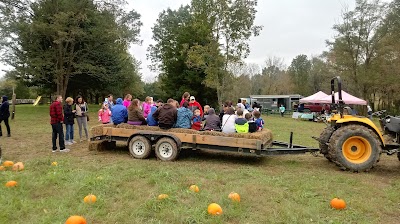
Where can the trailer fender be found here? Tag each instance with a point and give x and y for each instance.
(154, 136)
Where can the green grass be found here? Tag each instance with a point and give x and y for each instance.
(280, 189)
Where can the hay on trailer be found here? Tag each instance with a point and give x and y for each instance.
(265, 134)
(98, 129)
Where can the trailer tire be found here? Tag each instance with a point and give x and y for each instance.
(355, 148)
(166, 149)
(140, 147)
(323, 142)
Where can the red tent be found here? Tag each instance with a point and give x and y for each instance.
(347, 99)
(315, 98)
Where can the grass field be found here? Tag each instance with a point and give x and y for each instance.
(280, 189)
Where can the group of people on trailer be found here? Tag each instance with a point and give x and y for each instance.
(188, 113)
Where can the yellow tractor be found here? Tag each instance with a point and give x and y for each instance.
(353, 142)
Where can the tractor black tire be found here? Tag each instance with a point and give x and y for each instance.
(166, 149)
(140, 147)
(323, 140)
(355, 141)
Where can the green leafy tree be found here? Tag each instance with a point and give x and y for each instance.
(354, 48)
(232, 24)
(175, 33)
(299, 71)
(54, 42)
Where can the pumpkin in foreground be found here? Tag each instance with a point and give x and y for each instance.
(18, 166)
(338, 203)
(75, 219)
(54, 163)
(194, 188)
(11, 183)
(90, 199)
(214, 209)
(234, 196)
(8, 163)
(162, 196)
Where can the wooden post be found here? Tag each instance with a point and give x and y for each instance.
(14, 102)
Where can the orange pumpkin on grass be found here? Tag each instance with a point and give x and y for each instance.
(214, 209)
(194, 188)
(11, 183)
(338, 203)
(162, 196)
(234, 196)
(90, 199)
(8, 163)
(75, 219)
(18, 166)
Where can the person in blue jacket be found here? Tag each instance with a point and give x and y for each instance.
(119, 112)
(184, 117)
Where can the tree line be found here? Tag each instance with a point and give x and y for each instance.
(70, 47)
(81, 46)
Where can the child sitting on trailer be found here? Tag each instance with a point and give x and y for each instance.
(241, 124)
(196, 120)
(252, 123)
(259, 120)
(104, 114)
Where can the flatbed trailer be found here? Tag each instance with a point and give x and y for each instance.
(167, 145)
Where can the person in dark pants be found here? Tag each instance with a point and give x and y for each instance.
(56, 124)
(4, 115)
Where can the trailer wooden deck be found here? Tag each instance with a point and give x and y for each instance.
(167, 143)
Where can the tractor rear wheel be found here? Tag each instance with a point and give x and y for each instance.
(355, 148)
(323, 140)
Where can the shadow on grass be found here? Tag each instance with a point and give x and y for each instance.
(220, 157)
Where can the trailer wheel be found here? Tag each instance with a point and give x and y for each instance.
(140, 147)
(323, 140)
(166, 149)
(355, 148)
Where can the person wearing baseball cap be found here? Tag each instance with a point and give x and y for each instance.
(193, 105)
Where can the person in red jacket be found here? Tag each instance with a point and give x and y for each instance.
(193, 105)
(56, 124)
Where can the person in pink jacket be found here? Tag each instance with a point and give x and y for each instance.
(147, 106)
(127, 100)
(104, 114)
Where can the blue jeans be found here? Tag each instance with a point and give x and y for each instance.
(69, 132)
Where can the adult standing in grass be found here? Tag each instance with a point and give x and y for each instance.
(81, 116)
(69, 116)
(56, 120)
(282, 110)
(4, 115)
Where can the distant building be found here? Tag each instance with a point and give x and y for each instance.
(273, 102)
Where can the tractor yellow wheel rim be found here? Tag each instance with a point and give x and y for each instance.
(357, 149)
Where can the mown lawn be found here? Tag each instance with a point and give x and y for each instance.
(279, 189)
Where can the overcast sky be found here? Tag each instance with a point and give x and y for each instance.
(291, 27)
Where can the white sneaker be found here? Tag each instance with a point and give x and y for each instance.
(73, 142)
(68, 143)
(54, 151)
(65, 150)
